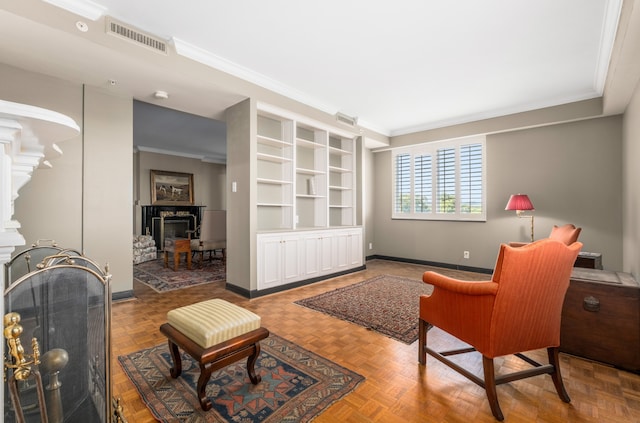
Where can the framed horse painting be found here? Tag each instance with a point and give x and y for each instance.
(171, 188)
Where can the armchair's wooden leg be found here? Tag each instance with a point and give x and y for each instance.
(490, 387)
(422, 341)
(554, 360)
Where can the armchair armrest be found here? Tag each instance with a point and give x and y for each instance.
(459, 307)
(460, 287)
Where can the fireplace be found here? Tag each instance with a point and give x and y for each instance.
(175, 228)
(163, 222)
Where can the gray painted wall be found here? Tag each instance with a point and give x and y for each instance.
(107, 174)
(84, 202)
(241, 205)
(572, 173)
(209, 181)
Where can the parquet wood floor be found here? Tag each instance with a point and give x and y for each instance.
(397, 388)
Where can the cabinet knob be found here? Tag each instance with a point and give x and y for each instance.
(591, 303)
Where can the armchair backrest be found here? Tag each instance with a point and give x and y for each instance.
(213, 226)
(533, 281)
(566, 233)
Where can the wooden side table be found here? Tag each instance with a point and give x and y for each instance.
(601, 318)
(176, 246)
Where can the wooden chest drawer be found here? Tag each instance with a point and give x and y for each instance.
(601, 318)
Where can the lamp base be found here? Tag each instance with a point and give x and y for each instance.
(519, 213)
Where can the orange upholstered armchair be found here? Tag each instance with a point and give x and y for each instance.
(518, 310)
(566, 233)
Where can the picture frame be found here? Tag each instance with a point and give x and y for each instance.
(171, 188)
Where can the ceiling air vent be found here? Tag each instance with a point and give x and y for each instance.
(348, 120)
(135, 35)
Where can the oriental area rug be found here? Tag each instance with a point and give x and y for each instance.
(162, 279)
(386, 304)
(296, 385)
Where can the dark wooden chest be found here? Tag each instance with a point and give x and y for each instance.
(601, 318)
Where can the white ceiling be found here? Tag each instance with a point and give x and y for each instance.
(397, 66)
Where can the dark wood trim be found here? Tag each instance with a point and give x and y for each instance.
(256, 294)
(122, 295)
(432, 263)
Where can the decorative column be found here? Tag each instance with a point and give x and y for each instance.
(27, 138)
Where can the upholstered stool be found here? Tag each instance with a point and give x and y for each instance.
(215, 333)
(175, 246)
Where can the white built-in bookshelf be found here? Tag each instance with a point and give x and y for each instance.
(305, 174)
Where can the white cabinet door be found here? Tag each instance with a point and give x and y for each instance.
(291, 258)
(288, 257)
(355, 247)
(325, 258)
(347, 249)
(317, 259)
(341, 250)
(311, 254)
(279, 259)
(269, 261)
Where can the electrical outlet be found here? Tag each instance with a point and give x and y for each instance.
(371, 245)
(466, 254)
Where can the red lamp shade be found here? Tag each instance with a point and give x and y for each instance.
(519, 202)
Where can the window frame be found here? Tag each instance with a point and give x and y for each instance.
(431, 149)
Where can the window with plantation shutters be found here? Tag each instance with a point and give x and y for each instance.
(403, 183)
(442, 180)
(471, 179)
(423, 184)
(446, 181)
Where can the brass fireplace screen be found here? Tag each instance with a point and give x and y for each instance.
(57, 334)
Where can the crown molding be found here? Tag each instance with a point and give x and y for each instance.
(200, 55)
(86, 8)
(610, 23)
(204, 158)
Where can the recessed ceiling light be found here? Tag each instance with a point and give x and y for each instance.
(82, 27)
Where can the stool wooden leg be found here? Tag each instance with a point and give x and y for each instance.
(166, 259)
(189, 260)
(251, 362)
(205, 375)
(176, 370)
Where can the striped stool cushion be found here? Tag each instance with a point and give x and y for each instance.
(213, 321)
